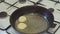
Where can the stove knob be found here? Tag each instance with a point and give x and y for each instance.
(3, 14)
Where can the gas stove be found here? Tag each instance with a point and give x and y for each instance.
(7, 7)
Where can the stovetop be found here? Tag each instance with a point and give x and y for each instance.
(9, 6)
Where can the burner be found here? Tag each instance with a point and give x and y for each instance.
(22, 1)
(2, 1)
(57, 1)
(3, 14)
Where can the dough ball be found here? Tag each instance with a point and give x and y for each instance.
(22, 19)
(21, 26)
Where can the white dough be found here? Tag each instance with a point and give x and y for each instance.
(22, 19)
(21, 26)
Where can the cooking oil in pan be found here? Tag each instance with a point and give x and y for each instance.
(31, 23)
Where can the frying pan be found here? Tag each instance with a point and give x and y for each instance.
(29, 9)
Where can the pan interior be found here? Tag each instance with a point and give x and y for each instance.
(34, 23)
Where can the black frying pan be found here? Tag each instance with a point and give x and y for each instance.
(29, 9)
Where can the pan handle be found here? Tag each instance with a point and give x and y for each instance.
(51, 10)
